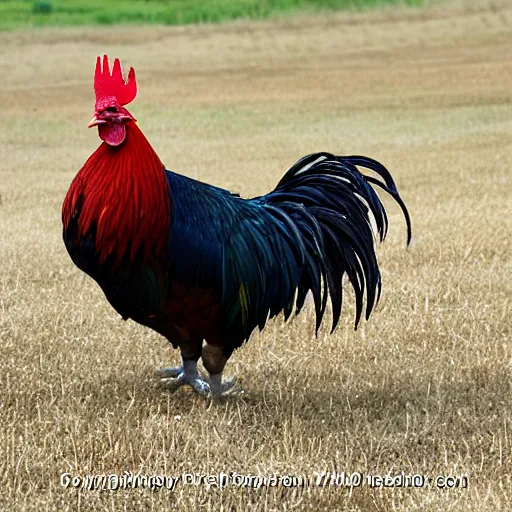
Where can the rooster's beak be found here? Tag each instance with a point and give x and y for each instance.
(95, 121)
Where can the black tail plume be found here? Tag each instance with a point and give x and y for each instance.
(331, 204)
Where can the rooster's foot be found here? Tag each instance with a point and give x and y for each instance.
(220, 389)
(200, 386)
(167, 373)
(174, 378)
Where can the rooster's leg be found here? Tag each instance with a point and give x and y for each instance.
(187, 373)
(214, 360)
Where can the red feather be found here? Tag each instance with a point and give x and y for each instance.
(122, 190)
(195, 310)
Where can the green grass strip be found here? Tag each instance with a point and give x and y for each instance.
(35, 13)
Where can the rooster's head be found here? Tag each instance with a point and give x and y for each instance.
(112, 93)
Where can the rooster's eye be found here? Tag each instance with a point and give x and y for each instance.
(111, 109)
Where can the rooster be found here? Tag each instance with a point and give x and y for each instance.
(204, 267)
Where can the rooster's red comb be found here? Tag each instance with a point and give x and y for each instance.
(111, 87)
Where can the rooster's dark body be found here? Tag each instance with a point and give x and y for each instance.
(209, 265)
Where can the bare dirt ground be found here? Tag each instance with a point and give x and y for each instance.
(423, 388)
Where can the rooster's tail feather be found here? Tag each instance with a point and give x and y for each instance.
(331, 203)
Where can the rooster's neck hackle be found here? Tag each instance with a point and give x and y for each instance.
(121, 193)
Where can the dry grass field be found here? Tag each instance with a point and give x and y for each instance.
(425, 387)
